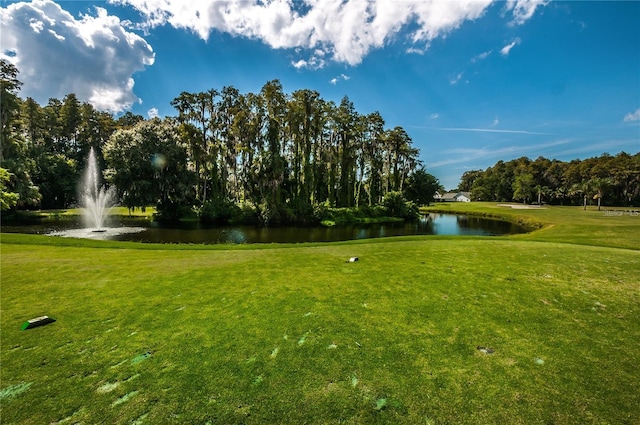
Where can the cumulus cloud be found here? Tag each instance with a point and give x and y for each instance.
(506, 49)
(632, 116)
(315, 61)
(152, 113)
(56, 54)
(341, 77)
(347, 30)
(523, 10)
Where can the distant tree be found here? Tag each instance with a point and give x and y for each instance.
(128, 120)
(32, 121)
(480, 193)
(467, 180)
(542, 192)
(421, 187)
(599, 186)
(70, 119)
(523, 187)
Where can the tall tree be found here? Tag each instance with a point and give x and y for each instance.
(9, 104)
(273, 164)
(229, 110)
(523, 187)
(421, 187)
(33, 124)
(70, 120)
(148, 165)
(199, 109)
(14, 150)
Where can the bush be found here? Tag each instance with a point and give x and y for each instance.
(218, 211)
(299, 211)
(398, 206)
(171, 211)
(247, 214)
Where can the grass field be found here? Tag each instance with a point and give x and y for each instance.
(537, 328)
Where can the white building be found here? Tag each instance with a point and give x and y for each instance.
(453, 197)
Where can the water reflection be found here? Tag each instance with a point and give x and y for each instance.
(196, 233)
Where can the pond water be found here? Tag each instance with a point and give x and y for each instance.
(195, 233)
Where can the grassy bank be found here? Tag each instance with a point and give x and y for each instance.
(535, 328)
(54, 214)
(611, 226)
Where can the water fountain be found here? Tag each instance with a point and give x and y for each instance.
(96, 200)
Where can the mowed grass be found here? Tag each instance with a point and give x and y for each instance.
(422, 330)
(617, 227)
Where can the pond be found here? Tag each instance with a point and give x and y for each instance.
(137, 230)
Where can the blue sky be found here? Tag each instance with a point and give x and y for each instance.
(471, 82)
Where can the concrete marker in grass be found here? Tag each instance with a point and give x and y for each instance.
(38, 321)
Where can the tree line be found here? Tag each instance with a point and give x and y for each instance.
(612, 180)
(277, 156)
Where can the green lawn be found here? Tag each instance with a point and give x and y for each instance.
(531, 329)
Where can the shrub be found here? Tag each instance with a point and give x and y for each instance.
(398, 206)
(218, 211)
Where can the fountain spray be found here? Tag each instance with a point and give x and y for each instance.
(96, 200)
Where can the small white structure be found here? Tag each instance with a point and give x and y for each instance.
(453, 197)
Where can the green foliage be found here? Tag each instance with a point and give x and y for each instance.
(57, 177)
(14, 155)
(283, 153)
(397, 206)
(9, 102)
(148, 166)
(614, 179)
(219, 211)
(523, 187)
(421, 187)
(8, 200)
(328, 217)
(300, 211)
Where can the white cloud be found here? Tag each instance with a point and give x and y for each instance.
(632, 116)
(491, 130)
(152, 113)
(341, 77)
(523, 10)
(57, 53)
(434, 116)
(455, 79)
(36, 25)
(413, 50)
(506, 49)
(346, 30)
(496, 121)
(481, 56)
(299, 64)
(316, 61)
